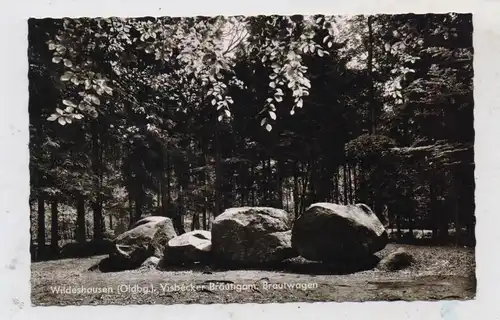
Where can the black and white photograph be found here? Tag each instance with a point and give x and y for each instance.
(251, 159)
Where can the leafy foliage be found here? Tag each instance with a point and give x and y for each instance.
(188, 116)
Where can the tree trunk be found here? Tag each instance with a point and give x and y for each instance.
(349, 180)
(169, 182)
(458, 228)
(295, 191)
(305, 186)
(252, 177)
(164, 183)
(195, 224)
(54, 229)
(158, 198)
(205, 185)
(279, 183)
(218, 173)
(110, 221)
(411, 215)
(372, 197)
(336, 194)
(102, 148)
(96, 166)
(266, 165)
(80, 219)
(159, 193)
(313, 178)
(370, 75)
(178, 217)
(362, 185)
(130, 208)
(97, 230)
(243, 183)
(344, 170)
(205, 215)
(323, 182)
(138, 204)
(377, 184)
(287, 199)
(355, 182)
(434, 213)
(41, 226)
(228, 194)
(398, 226)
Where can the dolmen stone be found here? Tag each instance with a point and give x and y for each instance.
(331, 232)
(188, 248)
(251, 236)
(147, 237)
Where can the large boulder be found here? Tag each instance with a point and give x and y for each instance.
(188, 248)
(147, 238)
(251, 236)
(332, 233)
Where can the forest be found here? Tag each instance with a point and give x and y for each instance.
(186, 117)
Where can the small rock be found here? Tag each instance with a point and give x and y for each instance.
(150, 263)
(397, 260)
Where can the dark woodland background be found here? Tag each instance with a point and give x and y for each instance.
(90, 180)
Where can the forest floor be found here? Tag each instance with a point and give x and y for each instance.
(439, 273)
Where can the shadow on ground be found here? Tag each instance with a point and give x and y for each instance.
(341, 267)
(297, 265)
